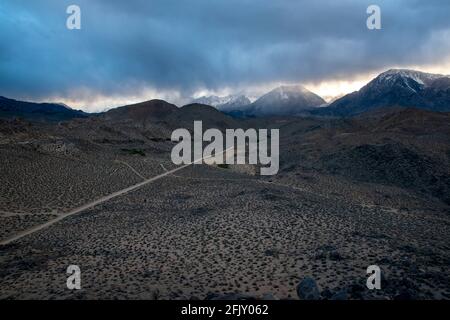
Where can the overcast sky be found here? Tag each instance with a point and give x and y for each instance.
(135, 50)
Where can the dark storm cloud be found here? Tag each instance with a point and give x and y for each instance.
(185, 45)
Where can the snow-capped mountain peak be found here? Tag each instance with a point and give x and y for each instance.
(287, 92)
(394, 75)
(397, 88)
(286, 100)
(224, 103)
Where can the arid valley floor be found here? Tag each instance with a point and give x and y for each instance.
(208, 232)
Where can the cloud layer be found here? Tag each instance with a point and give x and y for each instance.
(130, 48)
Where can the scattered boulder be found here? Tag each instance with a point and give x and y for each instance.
(327, 294)
(340, 295)
(307, 289)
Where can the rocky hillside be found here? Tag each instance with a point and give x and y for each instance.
(395, 88)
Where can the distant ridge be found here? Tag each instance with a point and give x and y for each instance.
(148, 110)
(160, 111)
(42, 112)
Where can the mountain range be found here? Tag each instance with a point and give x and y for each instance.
(393, 88)
(281, 101)
(227, 103)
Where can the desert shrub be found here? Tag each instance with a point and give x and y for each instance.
(135, 152)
